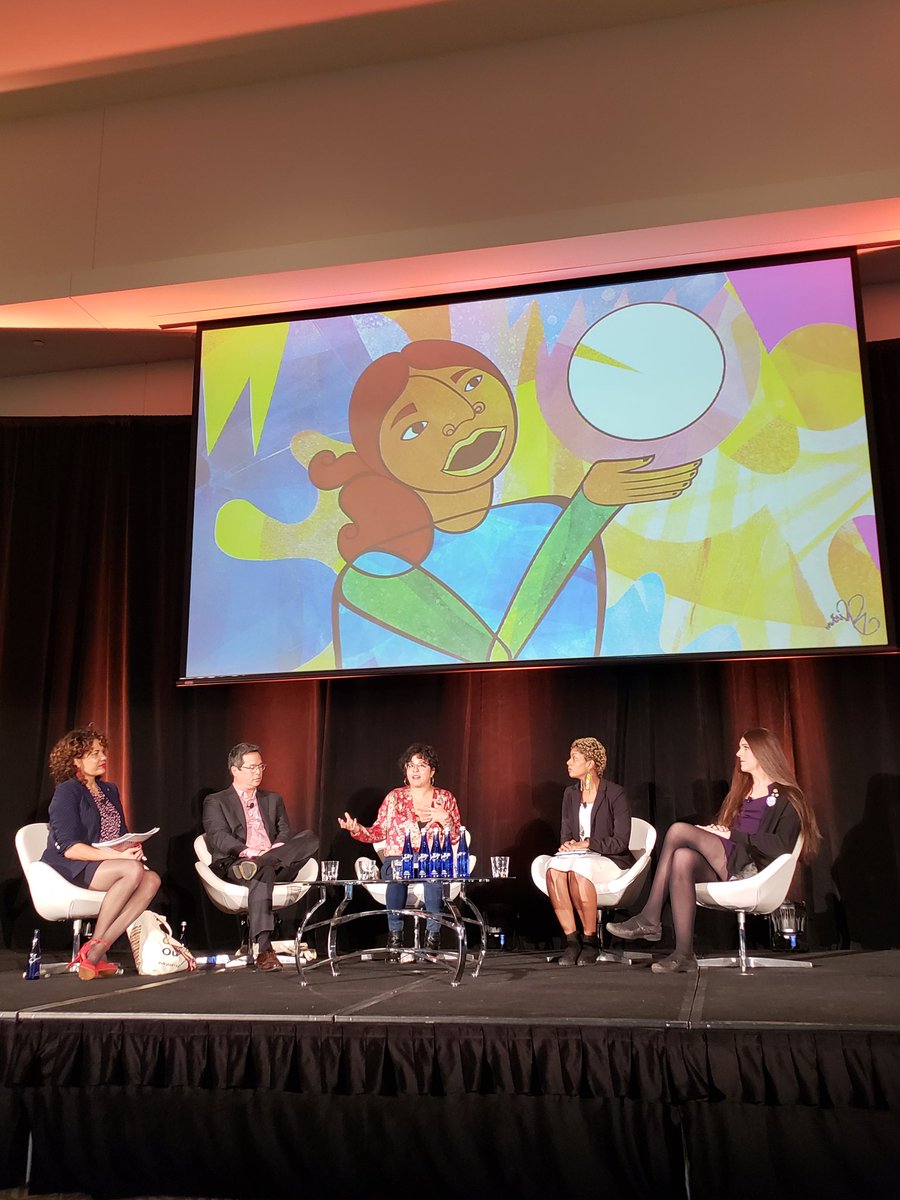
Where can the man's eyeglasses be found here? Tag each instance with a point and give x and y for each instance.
(253, 767)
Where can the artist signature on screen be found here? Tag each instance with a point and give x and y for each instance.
(854, 611)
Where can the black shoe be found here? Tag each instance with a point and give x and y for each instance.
(675, 963)
(432, 941)
(394, 943)
(243, 870)
(569, 956)
(635, 928)
(590, 950)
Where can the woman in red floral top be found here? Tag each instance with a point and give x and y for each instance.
(419, 808)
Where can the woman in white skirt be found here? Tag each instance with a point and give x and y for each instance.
(596, 826)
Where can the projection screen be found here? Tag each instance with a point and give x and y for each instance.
(670, 464)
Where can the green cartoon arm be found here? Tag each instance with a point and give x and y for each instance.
(565, 545)
(417, 605)
(607, 486)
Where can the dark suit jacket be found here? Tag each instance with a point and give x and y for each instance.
(74, 817)
(777, 834)
(226, 829)
(610, 821)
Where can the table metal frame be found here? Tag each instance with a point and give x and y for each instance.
(460, 913)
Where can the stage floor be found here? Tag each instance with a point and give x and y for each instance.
(845, 991)
(550, 1079)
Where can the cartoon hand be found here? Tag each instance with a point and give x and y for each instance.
(620, 481)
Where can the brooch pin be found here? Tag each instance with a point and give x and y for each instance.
(771, 798)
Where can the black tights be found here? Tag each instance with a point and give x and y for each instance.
(689, 855)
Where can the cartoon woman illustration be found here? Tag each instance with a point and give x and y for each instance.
(436, 572)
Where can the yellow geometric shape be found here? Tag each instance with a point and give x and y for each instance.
(749, 571)
(856, 575)
(820, 366)
(232, 358)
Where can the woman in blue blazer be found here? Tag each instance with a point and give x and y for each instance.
(86, 810)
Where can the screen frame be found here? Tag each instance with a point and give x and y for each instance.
(556, 284)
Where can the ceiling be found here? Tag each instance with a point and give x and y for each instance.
(76, 57)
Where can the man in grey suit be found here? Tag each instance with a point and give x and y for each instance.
(250, 840)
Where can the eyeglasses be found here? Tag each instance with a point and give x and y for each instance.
(252, 767)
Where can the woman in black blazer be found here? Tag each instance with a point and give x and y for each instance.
(85, 809)
(760, 818)
(594, 836)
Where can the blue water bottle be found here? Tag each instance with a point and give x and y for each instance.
(462, 854)
(406, 862)
(434, 859)
(424, 860)
(33, 970)
(447, 857)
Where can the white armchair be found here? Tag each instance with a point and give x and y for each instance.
(760, 893)
(620, 892)
(53, 896)
(229, 897)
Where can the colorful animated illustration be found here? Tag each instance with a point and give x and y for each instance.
(674, 465)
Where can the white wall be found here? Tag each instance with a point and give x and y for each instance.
(763, 109)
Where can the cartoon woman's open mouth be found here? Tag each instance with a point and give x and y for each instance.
(475, 453)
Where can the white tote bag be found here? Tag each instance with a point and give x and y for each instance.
(155, 950)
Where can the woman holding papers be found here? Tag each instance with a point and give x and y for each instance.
(85, 817)
(596, 825)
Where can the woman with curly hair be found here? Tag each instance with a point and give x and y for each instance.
(418, 809)
(84, 810)
(596, 827)
(761, 817)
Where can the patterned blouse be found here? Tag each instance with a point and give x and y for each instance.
(397, 814)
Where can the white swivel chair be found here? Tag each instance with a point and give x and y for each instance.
(761, 893)
(620, 892)
(415, 896)
(233, 898)
(53, 896)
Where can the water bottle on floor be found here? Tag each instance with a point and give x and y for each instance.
(33, 970)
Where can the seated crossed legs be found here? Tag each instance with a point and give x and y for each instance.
(760, 819)
(251, 842)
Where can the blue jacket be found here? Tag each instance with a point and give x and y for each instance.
(74, 817)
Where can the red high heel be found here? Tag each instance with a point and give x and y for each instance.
(88, 970)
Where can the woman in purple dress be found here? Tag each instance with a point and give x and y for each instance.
(760, 818)
(85, 810)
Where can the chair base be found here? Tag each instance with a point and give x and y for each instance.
(751, 963)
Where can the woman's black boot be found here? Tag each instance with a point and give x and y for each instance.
(569, 956)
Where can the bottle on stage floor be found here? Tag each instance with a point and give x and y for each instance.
(434, 859)
(183, 938)
(447, 857)
(33, 970)
(406, 862)
(424, 858)
(462, 854)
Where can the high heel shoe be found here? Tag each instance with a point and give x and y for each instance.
(88, 970)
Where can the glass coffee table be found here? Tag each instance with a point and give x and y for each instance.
(457, 914)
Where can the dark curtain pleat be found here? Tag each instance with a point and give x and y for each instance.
(200, 1144)
(838, 1068)
(93, 528)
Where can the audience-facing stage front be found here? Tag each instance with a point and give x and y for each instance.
(233, 1084)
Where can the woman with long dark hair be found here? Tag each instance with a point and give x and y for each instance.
(761, 817)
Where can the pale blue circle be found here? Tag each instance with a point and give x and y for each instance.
(646, 371)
